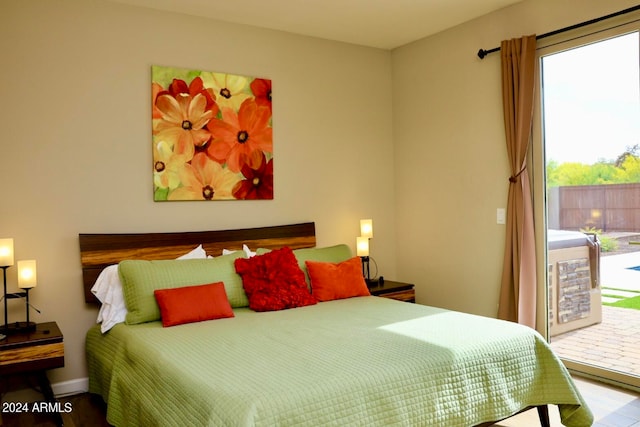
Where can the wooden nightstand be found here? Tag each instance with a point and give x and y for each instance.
(33, 353)
(394, 290)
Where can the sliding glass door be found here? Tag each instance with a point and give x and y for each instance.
(588, 170)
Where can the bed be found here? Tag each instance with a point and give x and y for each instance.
(362, 360)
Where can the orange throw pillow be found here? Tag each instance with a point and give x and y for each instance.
(331, 281)
(193, 304)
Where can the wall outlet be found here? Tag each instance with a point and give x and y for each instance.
(501, 216)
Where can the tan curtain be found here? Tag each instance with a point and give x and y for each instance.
(518, 290)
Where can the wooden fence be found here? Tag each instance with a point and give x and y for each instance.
(613, 207)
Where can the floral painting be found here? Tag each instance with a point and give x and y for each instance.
(212, 136)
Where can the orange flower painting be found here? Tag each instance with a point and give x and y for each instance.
(212, 136)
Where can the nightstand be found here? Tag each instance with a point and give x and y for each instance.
(33, 353)
(394, 290)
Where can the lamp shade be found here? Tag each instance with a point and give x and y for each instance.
(6, 252)
(27, 277)
(366, 228)
(362, 246)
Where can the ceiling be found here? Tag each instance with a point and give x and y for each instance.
(383, 24)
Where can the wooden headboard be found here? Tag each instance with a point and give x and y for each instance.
(98, 251)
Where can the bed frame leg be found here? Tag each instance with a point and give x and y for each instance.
(543, 414)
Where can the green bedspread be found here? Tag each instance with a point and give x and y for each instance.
(362, 361)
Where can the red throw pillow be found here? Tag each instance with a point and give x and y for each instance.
(193, 304)
(274, 281)
(331, 281)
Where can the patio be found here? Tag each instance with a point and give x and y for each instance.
(615, 343)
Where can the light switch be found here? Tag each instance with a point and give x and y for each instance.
(501, 216)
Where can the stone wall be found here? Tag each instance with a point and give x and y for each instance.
(574, 285)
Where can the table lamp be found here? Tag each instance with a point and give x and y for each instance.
(27, 280)
(6, 261)
(362, 247)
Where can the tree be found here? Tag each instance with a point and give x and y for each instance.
(626, 169)
(630, 151)
(629, 170)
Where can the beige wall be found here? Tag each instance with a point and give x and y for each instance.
(451, 164)
(76, 139)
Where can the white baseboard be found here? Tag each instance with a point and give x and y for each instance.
(61, 389)
(67, 388)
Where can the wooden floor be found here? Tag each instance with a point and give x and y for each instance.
(611, 407)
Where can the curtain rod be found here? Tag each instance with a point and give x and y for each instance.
(482, 53)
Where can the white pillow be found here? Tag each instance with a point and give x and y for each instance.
(108, 290)
(245, 248)
(111, 310)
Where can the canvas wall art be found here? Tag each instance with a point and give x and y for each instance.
(212, 136)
